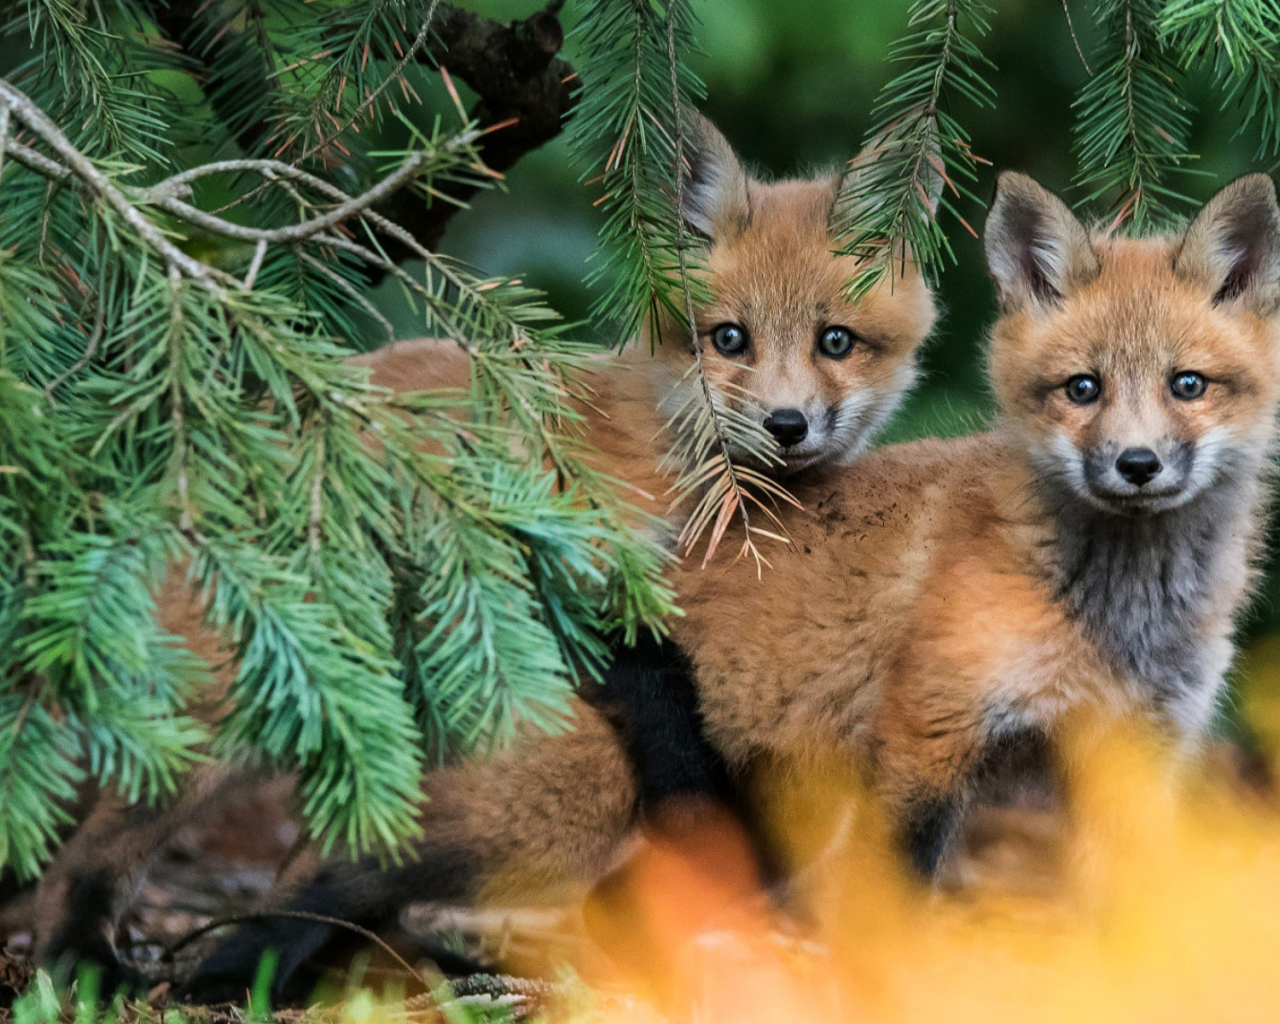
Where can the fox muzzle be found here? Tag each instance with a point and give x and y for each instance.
(1140, 478)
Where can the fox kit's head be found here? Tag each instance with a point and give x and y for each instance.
(1139, 372)
(778, 337)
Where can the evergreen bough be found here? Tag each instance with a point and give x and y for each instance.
(396, 577)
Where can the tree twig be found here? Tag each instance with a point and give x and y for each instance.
(21, 107)
(301, 915)
(512, 68)
(99, 327)
(735, 492)
(304, 230)
(521, 85)
(1066, 9)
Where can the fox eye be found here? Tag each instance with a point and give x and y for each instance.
(729, 339)
(1188, 385)
(1083, 388)
(836, 342)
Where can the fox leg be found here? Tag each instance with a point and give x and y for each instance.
(650, 695)
(931, 774)
(535, 822)
(82, 891)
(697, 840)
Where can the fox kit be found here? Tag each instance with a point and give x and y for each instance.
(951, 601)
(823, 373)
(778, 336)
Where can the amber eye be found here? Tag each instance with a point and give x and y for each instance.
(729, 339)
(1187, 385)
(836, 342)
(1083, 388)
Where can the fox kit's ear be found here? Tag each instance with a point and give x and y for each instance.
(1037, 251)
(715, 195)
(1232, 248)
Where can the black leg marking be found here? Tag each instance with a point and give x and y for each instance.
(1016, 766)
(362, 894)
(930, 825)
(1009, 767)
(11, 889)
(81, 940)
(648, 693)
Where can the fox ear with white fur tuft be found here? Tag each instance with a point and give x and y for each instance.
(1232, 248)
(715, 193)
(1038, 252)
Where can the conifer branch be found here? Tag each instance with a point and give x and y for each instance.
(728, 498)
(524, 95)
(1132, 120)
(916, 149)
(635, 140)
(218, 420)
(524, 91)
(1241, 39)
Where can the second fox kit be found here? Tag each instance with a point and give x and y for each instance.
(825, 372)
(951, 600)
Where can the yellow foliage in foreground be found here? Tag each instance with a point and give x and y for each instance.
(1165, 906)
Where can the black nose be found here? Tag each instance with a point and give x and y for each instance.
(1138, 465)
(787, 425)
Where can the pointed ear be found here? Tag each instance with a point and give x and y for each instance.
(1037, 251)
(715, 194)
(1232, 248)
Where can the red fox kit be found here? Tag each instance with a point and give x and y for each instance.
(951, 601)
(825, 372)
(778, 337)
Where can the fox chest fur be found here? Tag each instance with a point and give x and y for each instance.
(936, 601)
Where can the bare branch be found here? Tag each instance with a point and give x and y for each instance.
(4, 135)
(21, 107)
(259, 254)
(521, 85)
(34, 161)
(304, 230)
(1066, 9)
